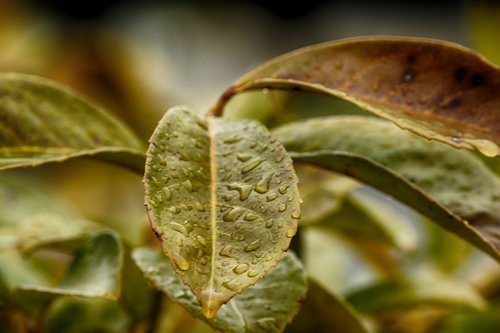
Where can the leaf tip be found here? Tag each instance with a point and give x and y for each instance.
(211, 300)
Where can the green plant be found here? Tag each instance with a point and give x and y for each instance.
(223, 199)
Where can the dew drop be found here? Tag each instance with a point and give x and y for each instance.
(280, 158)
(199, 207)
(281, 208)
(268, 324)
(251, 165)
(263, 185)
(296, 215)
(278, 181)
(271, 197)
(290, 198)
(181, 263)
(243, 157)
(202, 240)
(253, 145)
(263, 209)
(233, 214)
(283, 189)
(179, 228)
(251, 217)
(188, 185)
(204, 260)
(253, 273)
(226, 251)
(252, 246)
(290, 233)
(243, 190)
(174, 209)
(232, 285)
(167, 193)
(232, 139)
(240, 269)
(269, 223)
(486, 147)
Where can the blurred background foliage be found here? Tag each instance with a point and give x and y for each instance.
(138, 58)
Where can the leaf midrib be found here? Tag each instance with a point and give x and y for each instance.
(213, 204)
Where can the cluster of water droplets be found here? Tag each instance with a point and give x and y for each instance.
(257, 204)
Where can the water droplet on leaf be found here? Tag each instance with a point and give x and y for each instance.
(240, 269)
(252, 246)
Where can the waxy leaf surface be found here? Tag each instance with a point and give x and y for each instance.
(264, 308)
(222, 197)
(451, 187)
(437, 89)
(43, 122)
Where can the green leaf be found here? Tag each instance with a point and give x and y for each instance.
(322, 191)
(451, 187)
(94, 272)
(31, 216)
(324, 311)
(418, 291)
(364, 216)
(222, 196)
(437, 89)
(73, 315)
(266, 307)
(44, 122)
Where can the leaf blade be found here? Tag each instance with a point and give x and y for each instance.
(439, 90)
(43, 122)
(241, 314)
(249, 209)
(456, 190)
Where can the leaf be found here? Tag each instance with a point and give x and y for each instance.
(266, 307)
(451, 187)
(44, 122)
(333, 262)
(364, 216)
(222, 197)
(436, 89)
(415, 292)
(322, 191)
(31, 216)
(324, 311)
(94, 272)
(74, 315)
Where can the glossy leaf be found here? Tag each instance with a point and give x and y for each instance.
(94, 272)
(43, 122)
(437, 89)
(418, 291)
(451, 187)
(222, 197)
(266, 307)
(324, 311)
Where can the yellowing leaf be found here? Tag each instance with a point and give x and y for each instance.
(437, 89)
(222, 197)
(43, 122)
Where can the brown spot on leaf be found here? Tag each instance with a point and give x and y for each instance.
(460, 73)
(476, 80)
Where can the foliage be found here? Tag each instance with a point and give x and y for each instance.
(224, 200)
